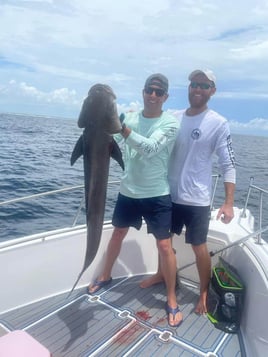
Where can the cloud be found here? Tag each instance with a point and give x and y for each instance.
(257, 123)
(242, 95)
(257, 49)
(58, 49)
(60, 95)
(256, 126)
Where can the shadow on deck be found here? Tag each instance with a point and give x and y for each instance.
(121, 320)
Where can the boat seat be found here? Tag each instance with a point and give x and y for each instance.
(19, 343)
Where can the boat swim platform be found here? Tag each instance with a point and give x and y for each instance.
(122, 319)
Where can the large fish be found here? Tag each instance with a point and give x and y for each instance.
(100, 120)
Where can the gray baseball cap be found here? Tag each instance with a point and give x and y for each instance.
(157, 79)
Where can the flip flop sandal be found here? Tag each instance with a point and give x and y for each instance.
(169, 310)
(98, 284)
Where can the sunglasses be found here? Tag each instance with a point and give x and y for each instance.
(200, 85)
(158, 92)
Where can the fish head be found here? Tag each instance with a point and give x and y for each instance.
(100, 110)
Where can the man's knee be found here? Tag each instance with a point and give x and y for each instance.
(201, 250)
(164, 246)
(119, 233)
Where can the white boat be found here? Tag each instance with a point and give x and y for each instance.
(122, 319)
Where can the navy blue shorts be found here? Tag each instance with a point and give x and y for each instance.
(156, 212)
(195, 219)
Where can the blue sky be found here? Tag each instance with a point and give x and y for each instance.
(53, 51)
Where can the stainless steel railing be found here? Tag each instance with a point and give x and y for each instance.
(48, 193)
(215, 177)
(25, 198)
(216, 180)
(261, 194)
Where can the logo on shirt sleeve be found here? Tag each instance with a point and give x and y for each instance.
(230, 150)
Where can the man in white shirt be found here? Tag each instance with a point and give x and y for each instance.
(202, 133)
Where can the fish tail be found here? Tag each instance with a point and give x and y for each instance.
(79, 276)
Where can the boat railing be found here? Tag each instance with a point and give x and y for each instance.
(260, 217)
(36, 195)
(82, 202)
(215, 184)
(52, 192)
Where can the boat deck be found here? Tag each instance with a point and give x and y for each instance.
(122, 320)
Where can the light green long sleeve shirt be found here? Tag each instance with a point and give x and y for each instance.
(146, 154)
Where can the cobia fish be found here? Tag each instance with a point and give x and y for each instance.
(100, 120)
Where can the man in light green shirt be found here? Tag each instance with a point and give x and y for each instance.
(149, 136)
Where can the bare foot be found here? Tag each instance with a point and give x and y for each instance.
(152, 280)
(201, 307)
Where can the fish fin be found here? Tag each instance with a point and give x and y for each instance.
(116, 154)
(77, 151)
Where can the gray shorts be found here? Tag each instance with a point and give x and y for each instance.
(156, 212)
(194, 218)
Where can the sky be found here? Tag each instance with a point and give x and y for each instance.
(53, 51)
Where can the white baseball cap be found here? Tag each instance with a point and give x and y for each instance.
(207, 72)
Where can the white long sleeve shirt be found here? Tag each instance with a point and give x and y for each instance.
(190, 169)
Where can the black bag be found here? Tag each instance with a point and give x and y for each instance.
(225, 298)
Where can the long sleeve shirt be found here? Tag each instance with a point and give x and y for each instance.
(190, 170)
(146, 155)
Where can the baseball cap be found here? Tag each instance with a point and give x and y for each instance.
(207, 72)
(159, 80)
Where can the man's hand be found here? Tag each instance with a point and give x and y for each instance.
(226, 213)
(125, 131)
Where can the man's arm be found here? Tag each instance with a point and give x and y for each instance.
(226, 211)
(157, 141)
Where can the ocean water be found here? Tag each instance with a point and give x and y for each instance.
(35, 158)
